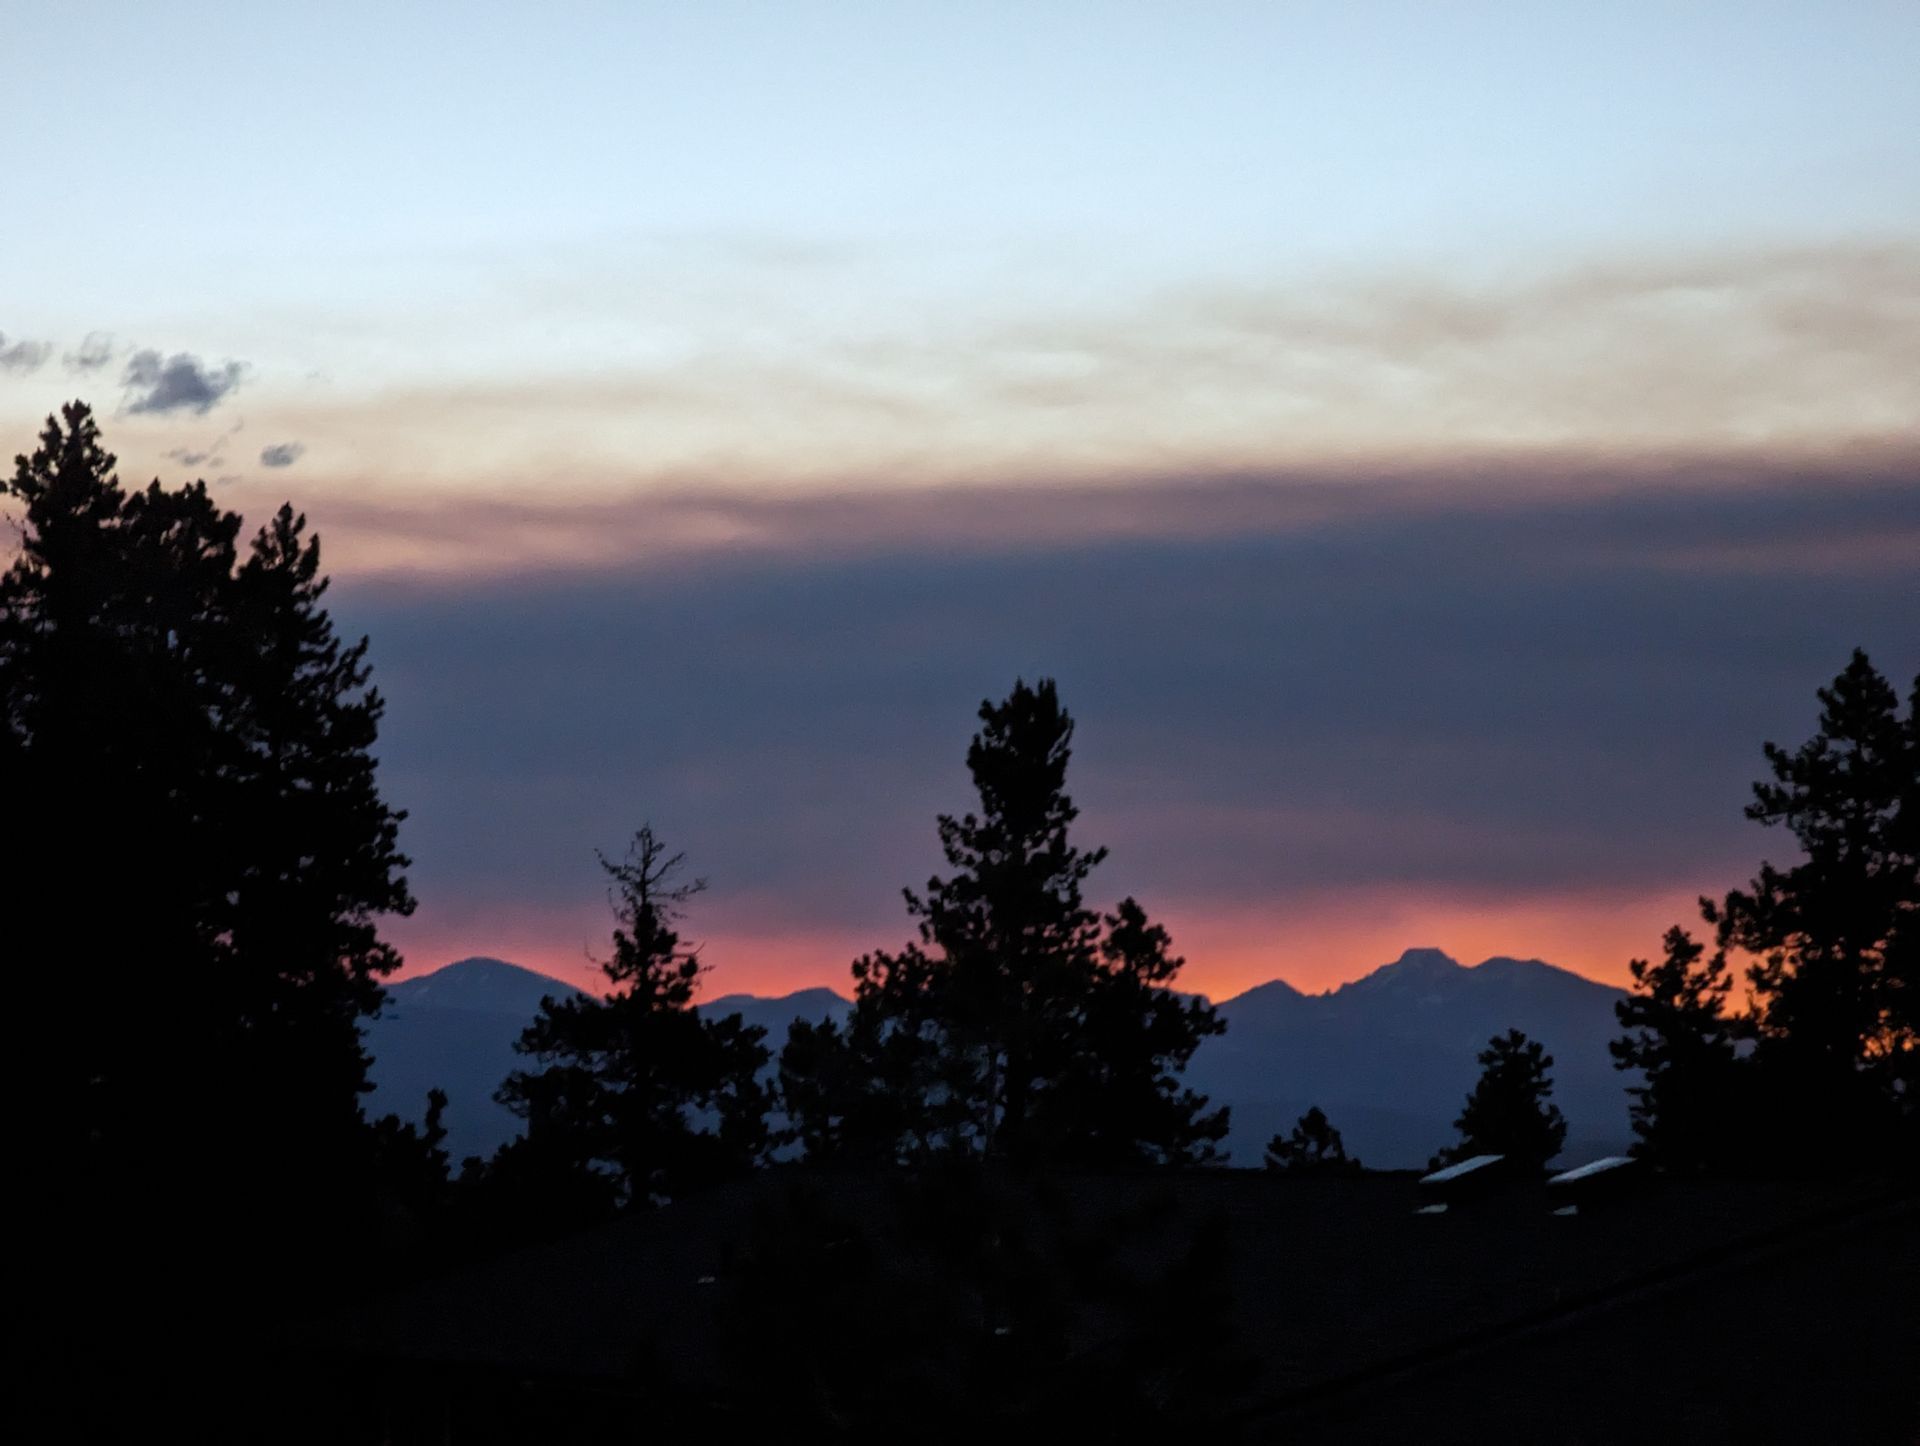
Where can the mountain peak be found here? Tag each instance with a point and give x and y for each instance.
(1273, 988)
(1426, 970)
(1538, 974)
(479, 983)
(1431, 961)
(1273, 1000)
(816, 998)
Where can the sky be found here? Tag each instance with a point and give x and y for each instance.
(1433, 447)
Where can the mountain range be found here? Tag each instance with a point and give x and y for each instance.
(1389, 1057)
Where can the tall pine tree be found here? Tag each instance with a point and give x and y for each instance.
(1834, 935)
(197, 861)
(199, 835)
(1021, 1025)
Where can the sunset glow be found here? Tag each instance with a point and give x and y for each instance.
(1432, 451)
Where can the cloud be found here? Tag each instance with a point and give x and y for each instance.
(213, 454)
(1493, 698)
(1810, 348)
(1804, 342)
(282, 454)
(23, 356)
(93, 353)
(420, 535)
(179, 383)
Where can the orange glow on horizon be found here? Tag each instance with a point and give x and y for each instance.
(1320, 947)
(1314, 947)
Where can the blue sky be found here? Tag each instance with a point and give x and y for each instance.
(1187, 134)
(394, 195)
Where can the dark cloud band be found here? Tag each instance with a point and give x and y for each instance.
(1428, 690)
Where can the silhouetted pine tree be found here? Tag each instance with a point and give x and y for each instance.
(314, 849)
(1314, 1148)
(1510, 1110)
(1836, 936)
(639, 1098)
(198, 860)
(1688, 1110)
(192, 716)
(835, 1088)
(1020, 1025)
(1122, 1102)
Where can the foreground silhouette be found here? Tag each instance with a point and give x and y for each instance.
(199, 863)
(966, 1298)
(1832, 1064)
(1021, 1025)
(1510, 1111)
(1684, 1044)
(991, 1223)
(611, 1111)
(1313, 1148)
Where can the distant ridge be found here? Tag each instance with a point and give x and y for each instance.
(454, 1029)
(1273, 1001)
(477, 983)
(819, 997)
(775, 1015)
(1388, 1056)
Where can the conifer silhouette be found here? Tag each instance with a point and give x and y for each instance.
(1313, 1148)
(1681, 1039)
(201, 861)
(637, 1098)
(1021, 1024)
(1835, 937)
(192, 711)
(1510, 1110)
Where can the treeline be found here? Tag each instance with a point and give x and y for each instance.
(200, 859)
(1020, 1025)
(1820, 1064)
(1816, 1065)
(200, 856)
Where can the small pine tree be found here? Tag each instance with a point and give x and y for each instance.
(639, 1097)
(1510, 1111)
(1678, 1035)
(1314, 1148)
